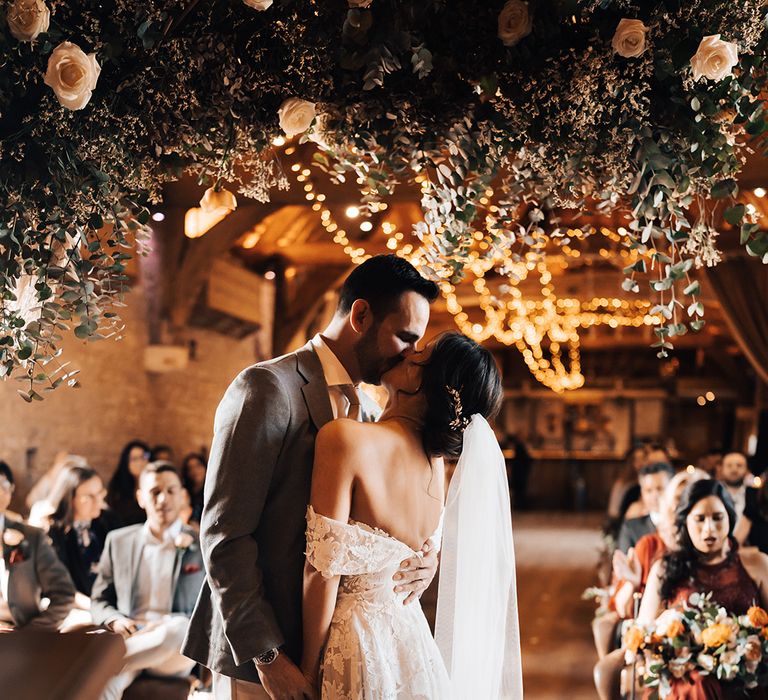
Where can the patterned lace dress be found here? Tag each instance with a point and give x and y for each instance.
(378, 648)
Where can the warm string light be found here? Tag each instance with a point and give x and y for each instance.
(530, 323)
(527, 324)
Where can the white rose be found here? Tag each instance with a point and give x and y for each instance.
(27, 19)
(515, 22)
(715, 58)
(296, 115)
(12, 537)
(218, 200)
(183, 540)
(72, 75)
(706, 661)
(357, 4)
(629, 39)
(259, 5)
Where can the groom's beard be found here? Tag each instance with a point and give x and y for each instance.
(372, 365)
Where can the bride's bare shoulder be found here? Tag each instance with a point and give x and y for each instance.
(344, 433)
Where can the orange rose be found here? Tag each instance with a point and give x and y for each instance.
(764, 632)
(633, 639)
(675, 629)
(757, 616)
(716, 635)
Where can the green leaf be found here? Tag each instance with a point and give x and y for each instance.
(82, 331)
(725, 188)
(733, 215)
(693, 289)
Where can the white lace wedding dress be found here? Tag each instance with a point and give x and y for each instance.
(378, 648)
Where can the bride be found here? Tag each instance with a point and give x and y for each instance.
(377, 495)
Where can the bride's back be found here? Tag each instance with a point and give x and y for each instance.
(397, 488)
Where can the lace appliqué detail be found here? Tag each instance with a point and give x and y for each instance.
(377, 649)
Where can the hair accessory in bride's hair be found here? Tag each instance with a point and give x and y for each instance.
(460, 422)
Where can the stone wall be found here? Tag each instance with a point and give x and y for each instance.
(119, 401)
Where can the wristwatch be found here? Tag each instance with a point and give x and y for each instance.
(267, 657)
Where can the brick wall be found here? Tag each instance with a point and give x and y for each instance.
(119, 401)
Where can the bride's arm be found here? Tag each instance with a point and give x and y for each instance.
(332, 482)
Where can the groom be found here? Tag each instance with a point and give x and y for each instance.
(247, 623)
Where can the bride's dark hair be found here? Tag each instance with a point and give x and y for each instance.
(460, 378)
(680, 564)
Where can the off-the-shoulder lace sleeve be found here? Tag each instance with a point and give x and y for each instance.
(335, 548)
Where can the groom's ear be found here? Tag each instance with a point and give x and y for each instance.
(360, 316)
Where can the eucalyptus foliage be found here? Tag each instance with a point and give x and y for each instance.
(403, 89)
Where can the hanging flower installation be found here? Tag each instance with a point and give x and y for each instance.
(577, 104)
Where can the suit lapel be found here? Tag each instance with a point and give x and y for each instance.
(315, 390)
(137, 545)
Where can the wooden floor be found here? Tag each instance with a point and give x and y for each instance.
(556, 557)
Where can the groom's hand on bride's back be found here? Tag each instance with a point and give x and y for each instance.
(415, 574)
(283, 680)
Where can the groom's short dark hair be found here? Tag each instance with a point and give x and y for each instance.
(381, 280)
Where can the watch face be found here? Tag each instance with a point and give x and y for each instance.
(268, 657)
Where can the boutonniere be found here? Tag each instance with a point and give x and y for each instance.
(14, 540)
(183, 541)
(190, 569)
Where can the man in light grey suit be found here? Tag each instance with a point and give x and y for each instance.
(149, 579)
(247, 625)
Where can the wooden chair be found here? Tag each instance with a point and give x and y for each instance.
(43, 664)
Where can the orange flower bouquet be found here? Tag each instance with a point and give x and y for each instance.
(700, 637)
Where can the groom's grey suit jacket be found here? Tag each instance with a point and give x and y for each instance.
(253, 526)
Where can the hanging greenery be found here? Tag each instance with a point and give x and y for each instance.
(578, 104)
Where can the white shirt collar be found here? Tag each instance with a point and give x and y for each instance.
(333, 370)
(171, 533)
(2, 522)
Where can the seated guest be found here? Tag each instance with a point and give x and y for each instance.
(654, 453)
(642, 517)
(193, 470)
(121, 493)
(710, 462)
(79, 527)
(752, 527)
(38, 494)
(634, 460)
(161, 453)
(631, 576)
(29, 571)
(148, 581)
(707, 560)
(733, 472)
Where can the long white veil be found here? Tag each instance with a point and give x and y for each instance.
(477, 628)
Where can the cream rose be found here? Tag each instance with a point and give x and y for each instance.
(216, 200)
(515, 22)
(296, 116)
(629, 38)
(27, 19)
(72, 75)
(715, 58)
(12, 538)
(183, 540)
(259, 5)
